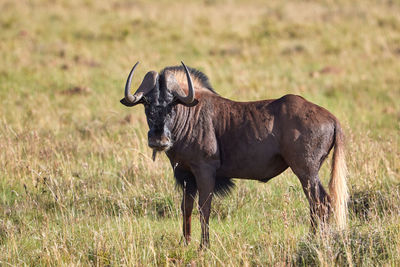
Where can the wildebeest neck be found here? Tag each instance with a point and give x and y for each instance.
(183, 124)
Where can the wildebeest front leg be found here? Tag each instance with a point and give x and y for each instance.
(205, 180)
(189, 193)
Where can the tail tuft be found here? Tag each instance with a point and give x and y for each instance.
(338, 182)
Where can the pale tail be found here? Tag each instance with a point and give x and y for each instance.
(337, 184)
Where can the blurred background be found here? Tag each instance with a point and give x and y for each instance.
(77, 184)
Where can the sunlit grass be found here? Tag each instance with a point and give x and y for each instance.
(77, 183)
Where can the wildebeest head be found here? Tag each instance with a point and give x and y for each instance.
(159, 94)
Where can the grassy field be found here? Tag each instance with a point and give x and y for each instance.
(77, 183)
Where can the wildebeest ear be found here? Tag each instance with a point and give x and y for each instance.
(149, 82)
(127, 103)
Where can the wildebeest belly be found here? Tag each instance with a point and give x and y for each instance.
(256, 161)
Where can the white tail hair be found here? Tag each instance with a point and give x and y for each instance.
(337, 184)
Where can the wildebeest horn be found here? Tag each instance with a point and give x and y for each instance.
(148, 83)
(190, 97)
(128, 96)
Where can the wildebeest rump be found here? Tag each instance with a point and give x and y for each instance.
(210, 140)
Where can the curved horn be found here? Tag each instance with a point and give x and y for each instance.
(190, 97)
(148, 83)
(128, 96)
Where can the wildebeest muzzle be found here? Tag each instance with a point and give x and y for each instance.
(159, 140)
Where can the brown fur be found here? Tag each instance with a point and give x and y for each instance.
(223, 139)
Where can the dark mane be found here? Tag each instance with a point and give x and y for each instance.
(197, 76)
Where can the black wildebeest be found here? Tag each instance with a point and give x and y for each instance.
(210, 139)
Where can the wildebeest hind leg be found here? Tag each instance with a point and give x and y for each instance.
(318, 200)
(305, 163)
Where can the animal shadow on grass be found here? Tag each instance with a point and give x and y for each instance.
(357, 245)
(370, 203)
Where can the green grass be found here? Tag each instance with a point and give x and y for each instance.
(77, 183)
